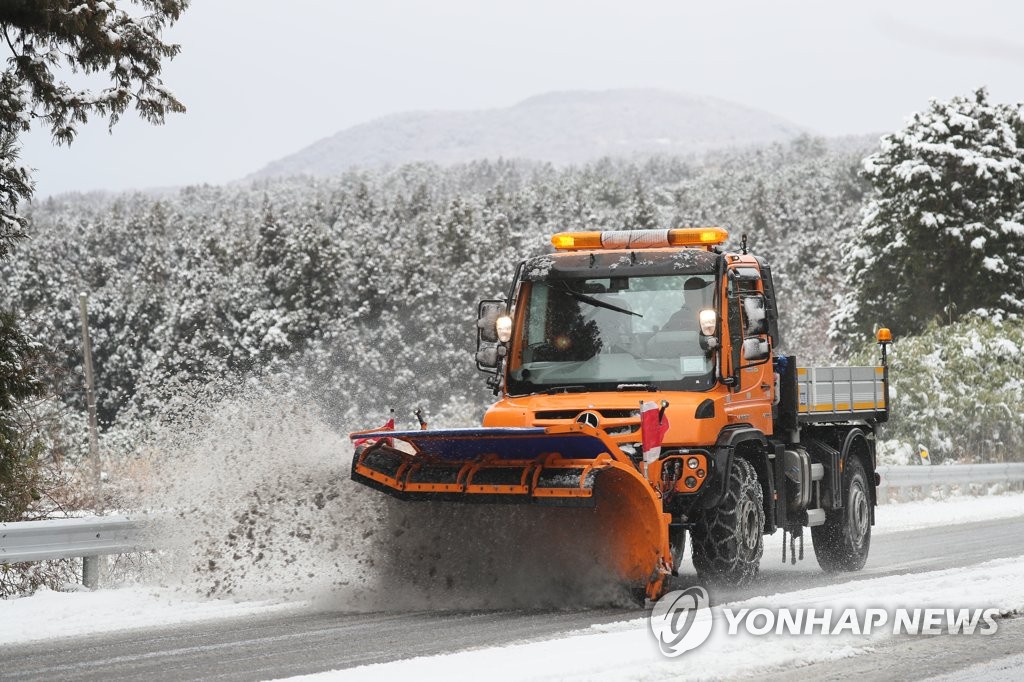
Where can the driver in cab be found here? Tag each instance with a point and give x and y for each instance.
(694, 300)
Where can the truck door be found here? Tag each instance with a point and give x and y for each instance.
(749, 349)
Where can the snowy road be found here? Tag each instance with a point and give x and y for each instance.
(281, 645)
(937, 658)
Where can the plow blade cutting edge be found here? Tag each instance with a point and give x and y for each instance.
(566, 465)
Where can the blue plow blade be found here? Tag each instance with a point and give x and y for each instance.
(464, 445)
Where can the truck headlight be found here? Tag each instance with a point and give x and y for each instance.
(708, 322)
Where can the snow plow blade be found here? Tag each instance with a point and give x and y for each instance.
(567, 465)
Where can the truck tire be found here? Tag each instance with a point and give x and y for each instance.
(842, 542)
(728, 540)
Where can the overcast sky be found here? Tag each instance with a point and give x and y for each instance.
(262, 79)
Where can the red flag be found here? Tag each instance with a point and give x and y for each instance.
(653, 427)
(389, 426)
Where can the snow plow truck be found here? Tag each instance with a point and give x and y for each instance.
(638, 375)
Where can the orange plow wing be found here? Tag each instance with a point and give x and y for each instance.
(567, 465)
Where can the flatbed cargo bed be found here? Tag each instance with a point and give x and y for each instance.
(842, 394)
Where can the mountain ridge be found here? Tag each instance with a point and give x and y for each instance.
(562, 127)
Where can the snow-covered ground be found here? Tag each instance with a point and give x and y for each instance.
(628, 651)
(895, 517)
(48, 614)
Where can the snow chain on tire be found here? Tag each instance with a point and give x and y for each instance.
(728, 540)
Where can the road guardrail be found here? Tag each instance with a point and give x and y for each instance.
(899, 481)
(86, 537)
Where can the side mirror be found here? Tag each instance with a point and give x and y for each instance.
(487, 355)
(489, 346)
(488, 313)
(748, 323)
(755, 315)
(755, 349)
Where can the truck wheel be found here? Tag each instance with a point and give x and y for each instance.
(842, 542)
(728, 540)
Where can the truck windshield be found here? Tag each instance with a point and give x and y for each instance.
(613, 333)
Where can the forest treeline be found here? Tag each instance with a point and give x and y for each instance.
(364, 286)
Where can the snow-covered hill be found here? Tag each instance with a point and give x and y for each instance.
(561, 127)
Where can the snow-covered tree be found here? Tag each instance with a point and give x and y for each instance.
(959, 390)
(15, 185)
(88, 36)
(82, 36)
(19, 381)
(46, 39)
(943, 235)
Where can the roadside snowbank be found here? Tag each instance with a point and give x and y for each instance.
(900, 516)
(903, 516)
(49, 615)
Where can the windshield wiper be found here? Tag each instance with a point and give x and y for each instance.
(565, 389)
(636, 387)
(593, 301)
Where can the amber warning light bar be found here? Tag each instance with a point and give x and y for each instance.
(639, 239)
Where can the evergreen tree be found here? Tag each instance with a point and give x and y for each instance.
(19, 381)
(959, 390)
(943, 235)
(44, 36)
(90, 36)
(642, 214)
(15, 184)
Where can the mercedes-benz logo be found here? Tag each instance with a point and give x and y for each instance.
(589, 418)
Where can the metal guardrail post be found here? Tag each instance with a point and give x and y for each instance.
(91, 572)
